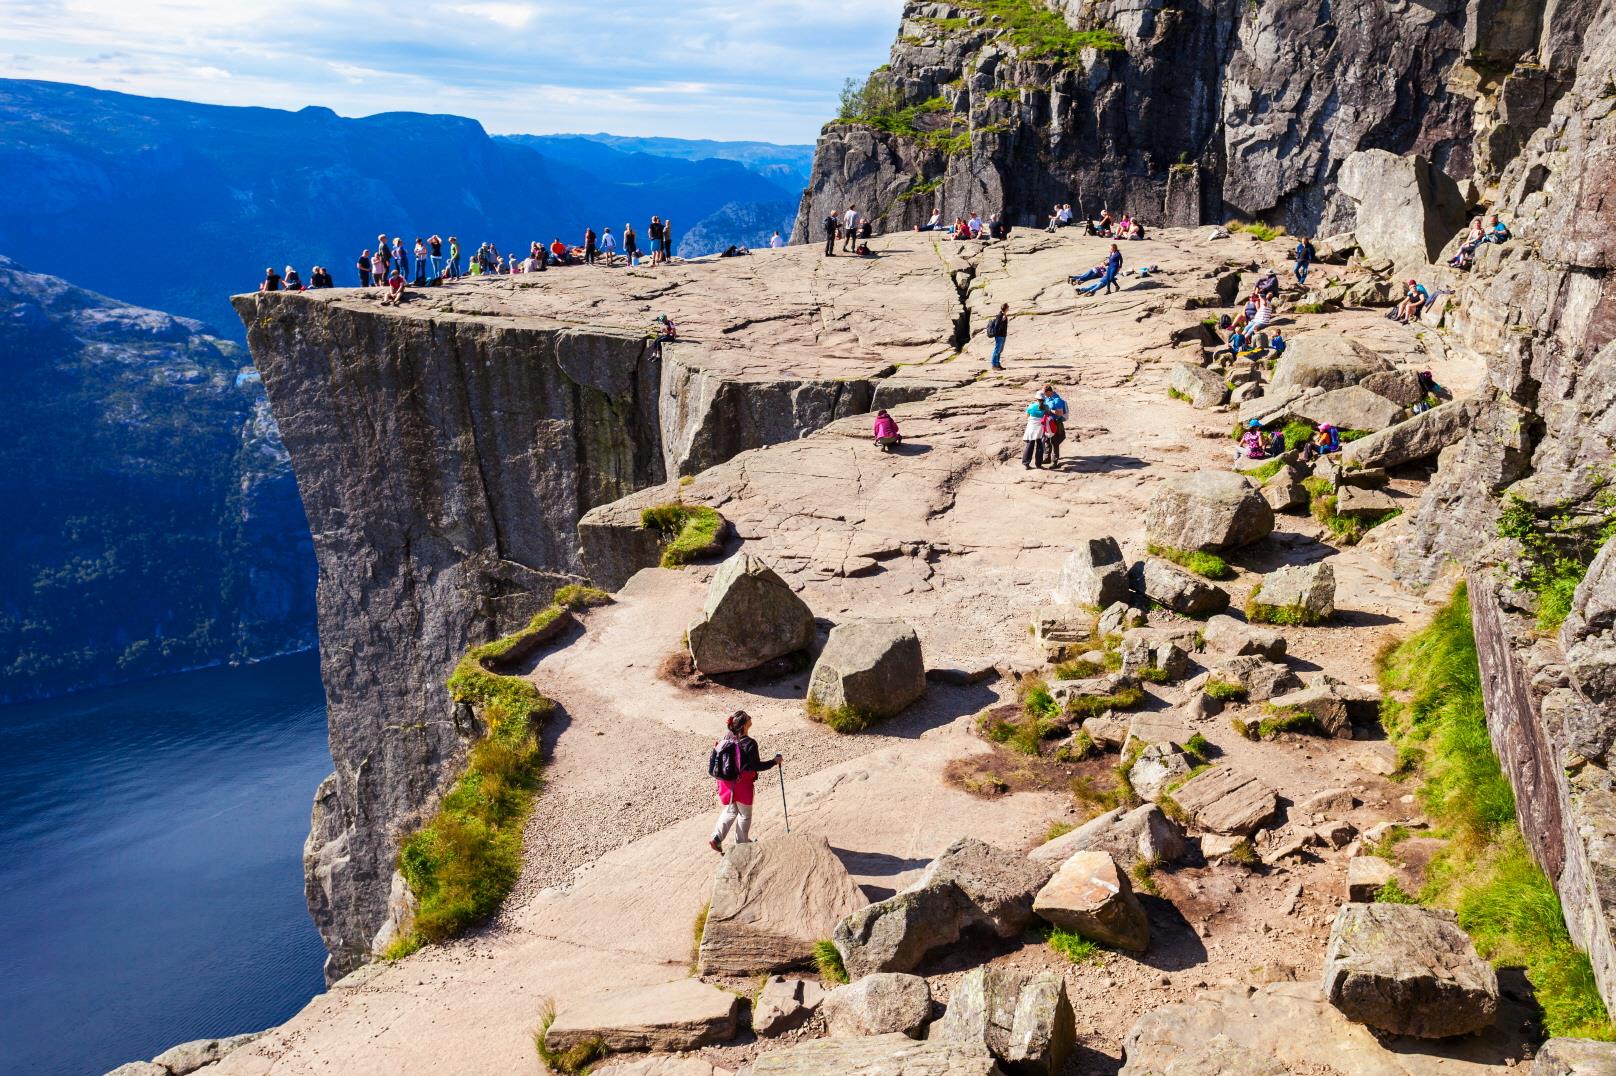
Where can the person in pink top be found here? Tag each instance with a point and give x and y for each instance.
(734, 764)
(886, 431)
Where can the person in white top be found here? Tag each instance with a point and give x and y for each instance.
(976, 226)
(608, 246)
(850, 223)
(935, 223)
(1066, 213)
(775, 242)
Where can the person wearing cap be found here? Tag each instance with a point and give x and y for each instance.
(736, 794)
(1414, 300)
(1251, 442)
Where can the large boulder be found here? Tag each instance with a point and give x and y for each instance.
(1227, 635)
(1091, 897)
(1207, 511)
(1296, 594)
(1284, 490)
(1143, 834)
(1024, 1019)
(878, 1055)
(1402, 386)
(771, 901)
(1158, 765)
(895, 934)
(751, 616)
(1325, 360)
(1094, 574)
(1328, 708)
(1152, 648)
(1198, 385)
(1226, 800)
(1408, 970)
(878, 1004)
(1262, 679)
(187, 1057)
(1417, 438)
(679, 1015)
(1175, 589)
(1575, 1057)
(1350, 408)
(871, 668)
(1407, 208)
(998, 885)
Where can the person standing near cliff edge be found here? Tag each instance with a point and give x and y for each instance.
(998, 329)
(734, 765)
(829, 223)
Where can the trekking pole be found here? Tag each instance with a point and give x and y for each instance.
(783, 809)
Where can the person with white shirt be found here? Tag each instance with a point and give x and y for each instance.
(850, 223)
(775, 242)
(934, 224)
(608, 246)
(975, 224)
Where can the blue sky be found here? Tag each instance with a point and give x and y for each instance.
(731, 69)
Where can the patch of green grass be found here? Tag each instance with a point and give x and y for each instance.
(1039, 33)
(1206, 565)
(1297, 433)
(922, 188)
(1153, 674)
(1308, 308)
(828, 961)
(1287, 719)
(1246, 729)
(1170, 807)
(1263, 472)
(1349, 436)
(1073, 946)
(1144, 878)
(1174, 394)
(1224, 690)
(1294, 615)
(1321, 493)
(1004, 93)
(1485, 873)
(843, 719)
(1386, 847)
(1256, 229)
(572, 1062)
(403, 946)
(689, 531)
(1081, 747)
(1124, 698)
(1087, 792)
(1057, 829)
(1557, 545)
(1078, 670)
(1392, 893)
(1199, 748)
(1244, 853)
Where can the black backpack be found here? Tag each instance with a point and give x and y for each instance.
(724, 763)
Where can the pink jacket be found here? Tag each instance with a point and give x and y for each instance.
(885, 426)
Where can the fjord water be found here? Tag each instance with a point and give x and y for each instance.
(151, 886)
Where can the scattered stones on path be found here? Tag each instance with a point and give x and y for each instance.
(785, 1005)
(1408, 970)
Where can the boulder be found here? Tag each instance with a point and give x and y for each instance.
(877, 1055)
(1024, 1019)
(1226, 800)
(1262, 679)
(1575, 1057)
(679, 1015)
(1359, 502)
(1149, 728)
(784, 1005)
(1351, 408)
(1407, 208)
(998, 885)
(1230, 636)
(1330, 801)
(1365, 876)
(1408, 970)
(1416, 438)
(138, 1068)
(1143, 834)
(1108, 733)
(1335, 249)
(1325, 360)
(895, 934)
(1200, 386)
(1401, 386)
(1328, 709)
(1178, 590)
(187, 1057)
(1375, 291)
(751, 616)
(1119, 616)
(1300, 593)
(1091, 897)
(878, 1004)
(1284, 490)
(1207, 511)
(1158, 765)
(1144, 648)
(1364, 478)
(771, 901)
(1094, 574)
(872, 667)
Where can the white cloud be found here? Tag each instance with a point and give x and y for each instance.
(766, 69)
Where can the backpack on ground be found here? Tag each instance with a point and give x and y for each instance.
(722, 764)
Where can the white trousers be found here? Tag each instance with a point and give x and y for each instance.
(738, 815)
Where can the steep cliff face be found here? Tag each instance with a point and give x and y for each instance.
(443, 462)
(1202, 110)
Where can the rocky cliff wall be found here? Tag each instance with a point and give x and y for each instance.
(443, 463)
(1210, 108)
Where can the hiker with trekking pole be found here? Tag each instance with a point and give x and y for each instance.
(734, 764)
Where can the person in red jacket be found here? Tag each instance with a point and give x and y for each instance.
(735, 766)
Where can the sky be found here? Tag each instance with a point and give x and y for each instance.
(765, 70)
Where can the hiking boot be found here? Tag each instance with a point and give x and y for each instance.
(712, 842)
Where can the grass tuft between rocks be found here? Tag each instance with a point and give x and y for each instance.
(1294, 615)
(574, 1061)
(689, 531)
(1206, 565)
(697, 929)
(1485, 873)
(828, 961)
(844, 719)
(1073, 946)
(1224, 690)
(1263, 472)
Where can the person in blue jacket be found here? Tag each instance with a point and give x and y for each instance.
(1304, 259)
(1113, 267)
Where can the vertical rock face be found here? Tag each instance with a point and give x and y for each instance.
(443, 462)
(1209, 109)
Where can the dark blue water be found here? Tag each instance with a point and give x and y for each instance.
(151, 884)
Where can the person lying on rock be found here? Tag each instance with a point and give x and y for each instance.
(886, 431)
(1083, 278)
(734, 764)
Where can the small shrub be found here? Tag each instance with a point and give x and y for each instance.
(828, 961)
(1207, 565)
(1057, 829)
(403, 946)
(571, 1062)
(1036, 701)
(1125, 698)
(1244, 853)
(843, 719)
(1088, 793)
(1081, 747)
(1074, 947)
(1144, 878)
(1349, 436)
(1174, 394)
(1153, 674)
(1199, 748)
(1078, 670)
(690, 531)
(1248, 729)
(1224, 690)
(1392, 893)
(1172, 809)
(1308, 308)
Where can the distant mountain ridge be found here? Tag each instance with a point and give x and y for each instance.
(173, 205)
(790, 165)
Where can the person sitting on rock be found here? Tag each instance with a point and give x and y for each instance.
(734, 765)
(886, 431)
(1326, 441)
(1237, 340)
(962, 230)
(1263, 315)
(291, 281)
(1054, 219)
(1252, 446)
(1137, 231)
(395, 289)
(1106, 224)
(1065, 214)
(1277, 345)
(272, 280)
(664, 328)
(1497, 231)
(1124, 226)
(1268, 285)
(934, 224)
(558, 252)
(1414, 300)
